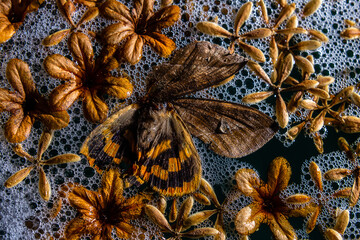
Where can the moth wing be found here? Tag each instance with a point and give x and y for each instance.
(113, 140)
(197, 66)
(171, 165)
(231, 129)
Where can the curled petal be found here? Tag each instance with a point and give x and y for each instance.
(248, 182)
(293, 132)
(54, 120)
(281, 227)
(311, 223)
(77, 227)
(133, 49)
(85, 201)
(10, 101)
(248, 219)
(95, 109)
(160, 43)
(112, 185)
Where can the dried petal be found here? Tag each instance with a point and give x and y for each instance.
(324, 80)
(44, 142)
(118, 87)
(54, 120)
(318, 122)
(248, 182)
(61, 67)
(308, 104)
(343, 95)
(18, 127)
(18, 177)
(242, 15)
(273, 51)
(264, 11)
(284, 14)
(7, 29)
(200, 233)
(349, 22)
(19, 76)
(44, 185)
(254, 52)
(315, 174)
(355, 98)
(281, 227)
(294, 101)
(201, 198)
(89, 15)
(165, 3)
(350, 33)
(311, 7)
(351, 124)
(184, 212)
(318, 35)
(61, 159)
(291, 31)
(319, 144)
(311, 223)
(298, 199)
(342, 193)
(307, 45)
(82, 51)
(197, 218)
(115, 10)
(342, 221)
(286, 67)
(331, 234)
(18, 149)
(117, 32)
(317, 92)
(281, 112)
(248, 219)
(173, 211)
(253, 98)
(67, 8)
(278, 175)
(160, 43)
(208, 190)
(337, 174)
(259, 71)
(292, 22)
(55, 38)
(258, 33)
(162, 204)
(95, 109)
(293, 132)
(355, 190)
(133, 49)
(157, 217)
(63, 96)
(213, 29)
(304, 64)
(282, 3)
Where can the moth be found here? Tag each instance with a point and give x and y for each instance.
(154, 134)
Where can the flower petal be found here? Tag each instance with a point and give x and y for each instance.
(95, 109)
(18, 127)
(19, 76)
(117, 32)
(281, 227)
(133, 49)
(9, 101)
(123, 230)
(61, 67)
(44, 185)
(355, 191)
(248, 182)
(7, 29)
(118, 87)
(278, 175)
(18, 177)
(77, 227)
(63, 96)
(111, 186)
(55, 38)
(316, 175)
(85, 201)
(163, 18)
(160, 43)
(82, 51)
(248, 219)
(54, 120)
(117, 11)
(143, 9)
(157, 217)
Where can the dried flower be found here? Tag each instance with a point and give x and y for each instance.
(12, 15)
(26, 105)
(339, 173)
(341, 222)
(138, 27)
(267, 207)
(183, 221)
(102, 210)
(88, 79)
(37, 162)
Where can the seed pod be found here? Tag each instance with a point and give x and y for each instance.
(253, 98)
(213, 29)
(331, 234)
(61, 159)
(284, 14)
(257, 33)
(324, 80)
(208, 190)
(304, 64)
(298, 199)
(242, 15)
(342, 221)
(259, 71)
(311, 7)
(310, 225)
(337, 174)
(197, 218)
(293, 132)
(264, 11)
(315, 173)
(254, 52)
(157, 217)
(201, 198)
(173, 211)
(18, 177)
(307, 45)
(44, 185)
(318, 35)
(274, 52)
(308, 104)
(350, 33)
(282, 115)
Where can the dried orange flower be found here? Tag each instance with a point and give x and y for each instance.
(37, 163)
(67, 8)
(99, 212)
(26, 105)
(320, 201)
(267, 207)
(12, 15)
(138, 27)
(339, 173)
(88, 79)
(183, 221)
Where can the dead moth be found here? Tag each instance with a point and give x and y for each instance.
(158, 128)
